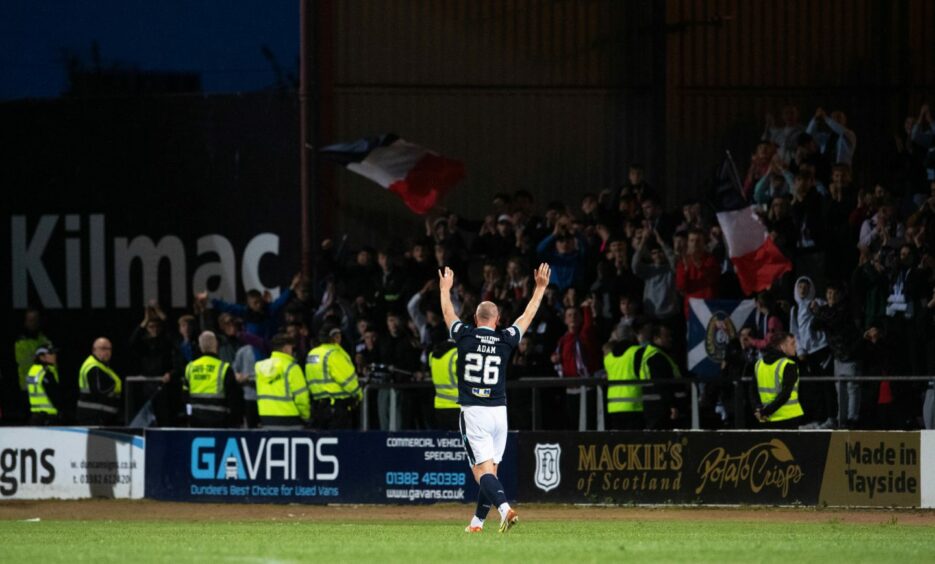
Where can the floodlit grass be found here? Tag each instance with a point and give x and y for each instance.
(421, 542)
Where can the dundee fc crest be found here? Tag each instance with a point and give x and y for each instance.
(548, 473)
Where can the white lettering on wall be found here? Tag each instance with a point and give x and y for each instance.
(27, 261)
(87, 273)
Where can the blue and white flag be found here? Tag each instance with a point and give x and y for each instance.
(711, 325)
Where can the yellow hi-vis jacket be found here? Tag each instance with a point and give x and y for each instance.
(86, 399)
(330, 373)
(38, 400)
(281, 391)
(204, 378)
(623, 399)
(445, 378)
(769, 384)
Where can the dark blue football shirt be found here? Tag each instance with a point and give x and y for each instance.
(483, 358)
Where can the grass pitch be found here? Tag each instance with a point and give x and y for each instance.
(591, 540)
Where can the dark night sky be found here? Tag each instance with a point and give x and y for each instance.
(220, 40)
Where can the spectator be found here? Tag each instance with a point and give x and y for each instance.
(260, 311)
(527, 362)
(157, 355)
(836, 209)
(655, 219)
(516, 285)
(392, 282)
(740, 357)
(186, 344)
(636, 184)
(785, 136)
(836, 319)
(400, 350)
(760, 164)
(367, 351)
(813, 354)
(500, 243)
(232, 337)
(244, 366)
(492, 284)
(774, 183)
(697, 273)
(807, 216)
(809, 156)
(781, 226)
(834, 138)
(660, 401)
(578, 355)
(907, 289)
(660, 300)
(765, 322)
(27, 343)
(564, 253)
(299, 334)
(692, 217)
(875, 357)
(360, 279)
(617, 277)
(625, 330)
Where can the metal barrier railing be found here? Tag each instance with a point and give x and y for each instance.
(535, 384)
(583, 386)
(691, 385)
(130, 385)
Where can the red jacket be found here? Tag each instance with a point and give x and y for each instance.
(697, 281)
(590, 348)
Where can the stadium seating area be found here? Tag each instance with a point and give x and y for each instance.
(860, 297)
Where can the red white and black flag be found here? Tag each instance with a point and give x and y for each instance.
(417, 175)
(756, 258)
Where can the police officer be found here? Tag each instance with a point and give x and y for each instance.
(624, 403)
(215, 397)
(659, 402)
(333, 380)
(776, 399)
(99, 387)
(281, 390)
(42, 383)
(443, 364)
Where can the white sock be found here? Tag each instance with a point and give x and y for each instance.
(475, 522)
(504, 507)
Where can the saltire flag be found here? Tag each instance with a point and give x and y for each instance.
(417, 175)
(711, 326)
(756, 258)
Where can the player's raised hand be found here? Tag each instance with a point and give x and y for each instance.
(446, 279)
(542, 275)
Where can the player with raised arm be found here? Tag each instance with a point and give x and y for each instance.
(483, 357)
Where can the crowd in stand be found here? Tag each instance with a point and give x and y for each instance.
(860, 300)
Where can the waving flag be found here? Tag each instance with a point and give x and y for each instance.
(757, 260)
(417, 175)
(711, 325)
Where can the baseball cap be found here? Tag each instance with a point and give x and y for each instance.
(45, 348)
(505, 218)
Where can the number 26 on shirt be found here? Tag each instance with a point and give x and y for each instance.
(476, 364)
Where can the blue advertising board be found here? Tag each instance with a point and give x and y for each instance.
(307, 467)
